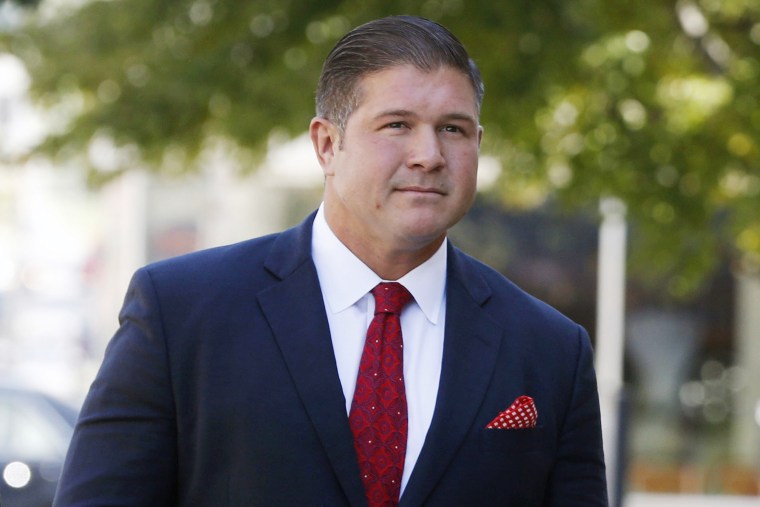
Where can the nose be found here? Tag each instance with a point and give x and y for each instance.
(425, 152)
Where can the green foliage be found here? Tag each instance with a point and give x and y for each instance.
(655, 102)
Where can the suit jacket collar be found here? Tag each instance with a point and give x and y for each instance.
(297, 316)
(291, 249)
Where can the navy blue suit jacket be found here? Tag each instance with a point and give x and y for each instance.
(220, 388)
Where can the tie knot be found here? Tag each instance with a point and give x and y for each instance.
(390, 297)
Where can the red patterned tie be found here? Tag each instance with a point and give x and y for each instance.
(378, 416)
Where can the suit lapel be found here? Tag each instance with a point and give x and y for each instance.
(471, 344)
(295, 311)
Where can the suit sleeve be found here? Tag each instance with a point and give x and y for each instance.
(123, 451)
(578, 478)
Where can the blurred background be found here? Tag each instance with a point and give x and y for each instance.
(619, 181)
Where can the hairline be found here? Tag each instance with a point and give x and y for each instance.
(356, 94)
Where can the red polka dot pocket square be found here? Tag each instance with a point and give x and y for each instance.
(521, 414)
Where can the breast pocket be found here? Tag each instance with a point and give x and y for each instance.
(514, 441)
(515, 464)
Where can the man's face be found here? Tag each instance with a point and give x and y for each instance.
(405, 169)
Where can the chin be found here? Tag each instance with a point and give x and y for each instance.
(421, 236)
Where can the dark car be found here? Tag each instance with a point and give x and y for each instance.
(35, 430)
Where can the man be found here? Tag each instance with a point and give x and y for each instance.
(241, 375)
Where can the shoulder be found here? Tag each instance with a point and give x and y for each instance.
(531, 330)
(509, 304)
(254, 261)
(216, 263)
(216, 276)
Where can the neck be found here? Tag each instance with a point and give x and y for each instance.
(392, 265)
(389, 261)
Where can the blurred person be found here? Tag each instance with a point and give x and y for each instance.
(359, 357)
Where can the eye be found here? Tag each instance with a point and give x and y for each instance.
(454, 129)
(396, 125)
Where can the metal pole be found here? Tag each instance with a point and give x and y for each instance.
(610, 321)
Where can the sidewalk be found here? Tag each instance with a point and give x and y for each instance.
(647, 500)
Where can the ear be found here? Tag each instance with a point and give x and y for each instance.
(325, 140)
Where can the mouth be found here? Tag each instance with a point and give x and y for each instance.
(415, 189)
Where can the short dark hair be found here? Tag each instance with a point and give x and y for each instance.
(379, 45)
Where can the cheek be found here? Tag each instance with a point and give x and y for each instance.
(370, 159)
(465, 170)
(356, 179)
(386, 154)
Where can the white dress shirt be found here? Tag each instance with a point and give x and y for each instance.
(346, 282)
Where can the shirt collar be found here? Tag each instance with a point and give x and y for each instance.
(345, 279)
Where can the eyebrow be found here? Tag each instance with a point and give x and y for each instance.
(406, 113)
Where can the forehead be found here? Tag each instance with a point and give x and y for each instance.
(408, 85)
